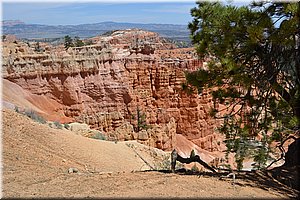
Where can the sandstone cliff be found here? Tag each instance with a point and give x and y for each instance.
(106, 84)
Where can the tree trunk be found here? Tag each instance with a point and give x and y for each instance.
(292, 157)
(176, 157)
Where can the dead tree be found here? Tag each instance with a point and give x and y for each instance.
(193, 158)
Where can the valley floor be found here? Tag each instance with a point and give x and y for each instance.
(36, 160)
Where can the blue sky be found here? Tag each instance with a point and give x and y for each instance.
(71, 12)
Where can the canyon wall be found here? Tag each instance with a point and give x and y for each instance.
(123, 81)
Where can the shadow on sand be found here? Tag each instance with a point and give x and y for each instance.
(280, 179)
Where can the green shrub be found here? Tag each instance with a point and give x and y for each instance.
(31, 114)
(78, 42)
(89, 42)
(68, 42)
(141, 121)
(99, 136)
(67, 126)
(58, 124)
(17, 109)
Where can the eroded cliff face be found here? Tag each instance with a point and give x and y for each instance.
(105, 84)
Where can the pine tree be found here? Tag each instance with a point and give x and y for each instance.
(68, 42)
(78, 42)
(254, 61)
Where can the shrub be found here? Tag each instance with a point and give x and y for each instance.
(78, 42)
(68, 42)
(99, 136)
(141, 121)
(58, 124)
(31, 114)
(67, 126)
(17, 109)
(37, 47)
(89, 42)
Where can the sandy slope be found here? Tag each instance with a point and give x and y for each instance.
(36, 159)
(14, 95)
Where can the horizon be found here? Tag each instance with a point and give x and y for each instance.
(76, 13)
(73, 13)
(92, 23)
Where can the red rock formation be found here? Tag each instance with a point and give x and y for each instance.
(104, 84)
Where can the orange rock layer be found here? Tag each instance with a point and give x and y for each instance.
(105, 84)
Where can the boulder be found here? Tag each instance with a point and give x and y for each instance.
(142, 135)
(79, 127)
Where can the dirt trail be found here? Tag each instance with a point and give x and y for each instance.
(36, 159)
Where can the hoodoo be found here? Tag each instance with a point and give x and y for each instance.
(123, 78)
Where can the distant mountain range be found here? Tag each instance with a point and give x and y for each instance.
(38, 31)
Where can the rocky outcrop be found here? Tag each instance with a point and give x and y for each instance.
(105, 84)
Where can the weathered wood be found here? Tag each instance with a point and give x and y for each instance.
(193, 158)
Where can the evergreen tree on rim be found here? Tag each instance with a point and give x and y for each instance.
(253, 58)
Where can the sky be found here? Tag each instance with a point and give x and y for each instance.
(73, 12)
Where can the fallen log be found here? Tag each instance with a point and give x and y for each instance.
(193, 158)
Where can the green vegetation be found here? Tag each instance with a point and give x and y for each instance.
(17, 109)
(99, 136)
(108, 33)
(53, 41)
(141, 121)
(89, 42)
(37, 47)
(66, 126)
(58, 125)
(68, 42)
(254, 60)
(33, 115)
(179, 43)
(78, 42)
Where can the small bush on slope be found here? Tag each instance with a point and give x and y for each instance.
(33, 115)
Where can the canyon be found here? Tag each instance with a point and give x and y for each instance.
(127, 85)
